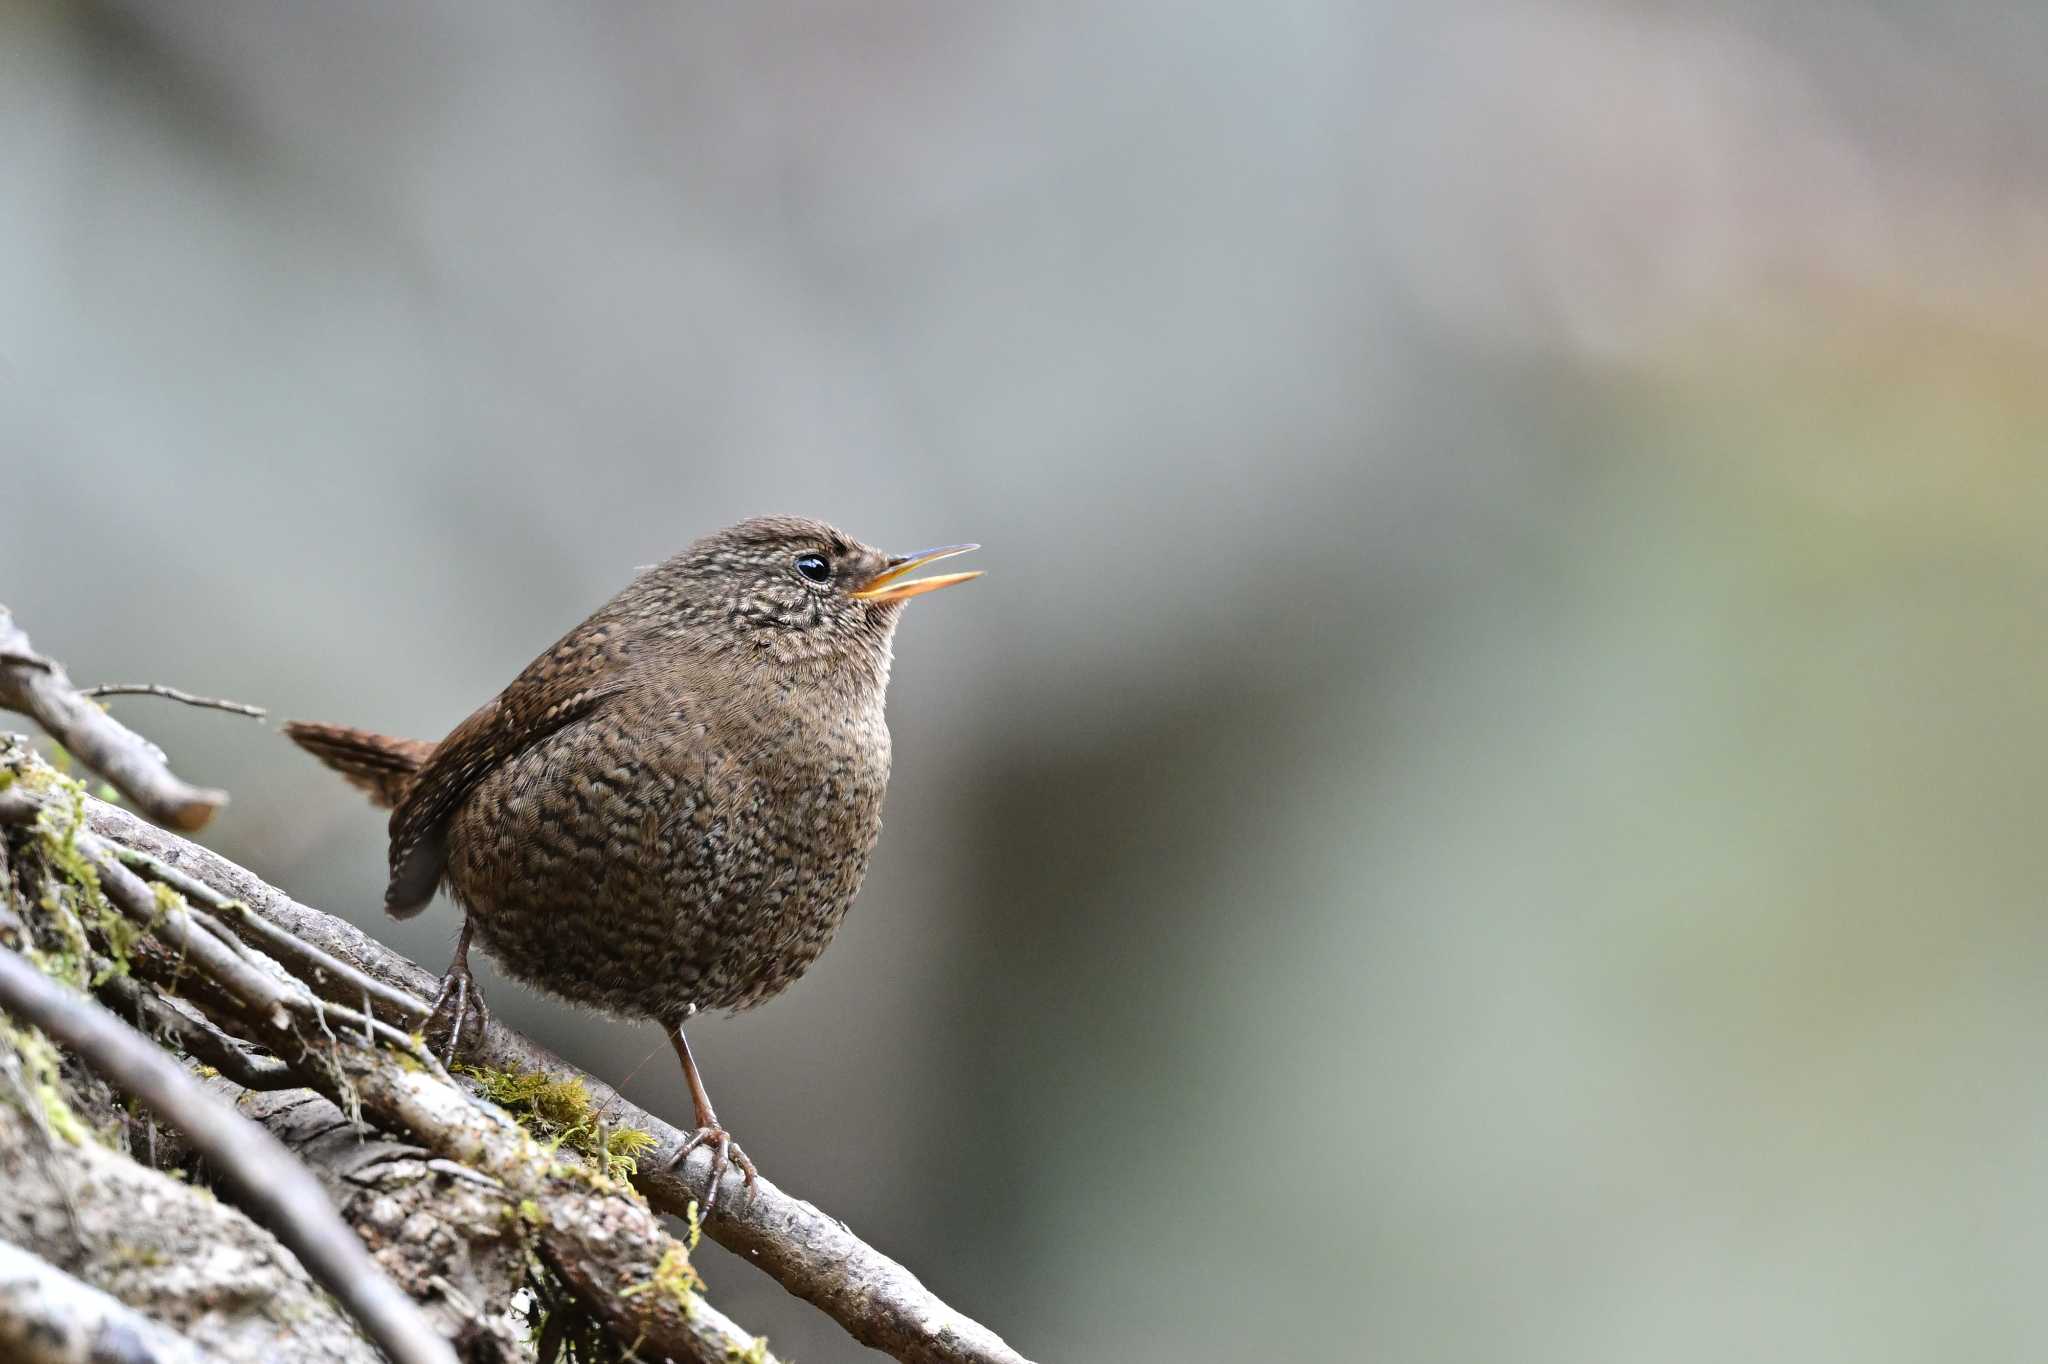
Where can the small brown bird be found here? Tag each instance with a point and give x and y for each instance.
(671, 809)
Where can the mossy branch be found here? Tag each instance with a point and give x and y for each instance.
(593, 1231)
(276, 1188)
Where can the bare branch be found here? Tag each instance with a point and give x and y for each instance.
(312, 960)
(173, 694)
(38, 686)
(815, 1257)
(199, 1039)
(276, 1189)
(48, 1317)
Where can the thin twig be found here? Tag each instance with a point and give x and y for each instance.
(199, 1039)
(286, 946)
(270, 996)
(173, 694)
(274, 1188)
(38, 686)
(298, 996)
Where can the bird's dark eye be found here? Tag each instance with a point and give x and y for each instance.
(814, 567)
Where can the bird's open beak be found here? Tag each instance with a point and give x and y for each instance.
(889, 584)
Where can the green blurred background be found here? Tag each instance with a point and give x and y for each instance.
(1488, 806)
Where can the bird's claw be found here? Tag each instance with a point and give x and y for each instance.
(725, 1154)
(452, 1003)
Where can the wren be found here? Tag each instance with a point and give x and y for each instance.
(672, 808)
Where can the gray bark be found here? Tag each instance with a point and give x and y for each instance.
(48, 1317)
(440, 1231)
(166, 1248)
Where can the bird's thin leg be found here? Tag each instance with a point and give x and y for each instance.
(457, 993)
(724, 1150)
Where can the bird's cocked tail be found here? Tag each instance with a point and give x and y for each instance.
(381, 764)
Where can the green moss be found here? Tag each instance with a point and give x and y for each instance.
(124, 1255)
(756, 1353)
(553, 1105)
(559, 1113)
(70, 879)
(625, 1145)
(44, 1082)
(674, 1278)
(72, 894)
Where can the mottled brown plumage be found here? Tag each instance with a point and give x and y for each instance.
(672, 808)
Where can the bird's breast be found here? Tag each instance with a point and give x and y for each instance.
(647, 868)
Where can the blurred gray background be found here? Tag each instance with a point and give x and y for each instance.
(1489, 804)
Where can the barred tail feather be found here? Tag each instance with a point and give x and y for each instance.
(379, 764)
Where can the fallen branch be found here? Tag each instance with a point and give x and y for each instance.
(439, 1229)
(155, 1017)
(48, 1317)
(427, 1219)
(266, 1180)
(165, 1247)
(38, 686)
(592, 1232)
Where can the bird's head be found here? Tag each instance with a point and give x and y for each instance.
(787, 590)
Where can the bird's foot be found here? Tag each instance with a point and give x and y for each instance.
(725, 1154)
(448, 1020)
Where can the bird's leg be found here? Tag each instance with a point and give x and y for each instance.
(724, 1150)
(453, 1001)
